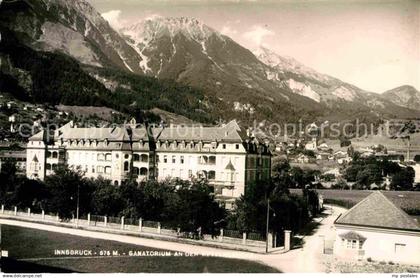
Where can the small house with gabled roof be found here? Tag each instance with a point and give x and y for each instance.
(376, 228)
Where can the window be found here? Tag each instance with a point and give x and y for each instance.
(126, 156)
(157, 159)
(100, 169)
(143, 171)
(352, 244)
(108, 157)
(224, 146)
(126, 166)
(136, 171)
(48, 154)
(165, 159)
(144, 158)
(173, 159)
(211, 175)
(93, 169)
(182, 159)
(48, 166)
(190, 173)
(116, 183)
(399, 248)
(100, 157)
(237, 146)
(108, 170)
(212, 160)
(136, 157)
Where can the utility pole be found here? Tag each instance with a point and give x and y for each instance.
(77, 209)
(266, 228)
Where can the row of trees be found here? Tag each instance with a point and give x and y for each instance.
(187, 205)
(286, 211)
(366, 171)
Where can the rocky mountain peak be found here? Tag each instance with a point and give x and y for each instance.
(287, 64)
(169, 26)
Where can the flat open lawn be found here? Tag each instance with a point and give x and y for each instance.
(32, 250)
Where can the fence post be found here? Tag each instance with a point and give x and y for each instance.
(178, 231)
(2, 209)
(43, 215)
(140, 224)
(105, 220)
(270, 240)
(58, 218)
(158, 228)
(29, 212)
(15, 210)
(122, 222)
(88, 219)
(244, 238)
(221, 235)
(287, 240)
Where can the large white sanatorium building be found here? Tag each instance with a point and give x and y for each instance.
(225, 155)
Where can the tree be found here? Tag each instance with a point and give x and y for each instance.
(405, 133)
(195, 208)
(287, 211)
(106, 198)
(8, 178)
(68, 189)
(404, 179)
(30, 194)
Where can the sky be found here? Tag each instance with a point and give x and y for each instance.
(373, 44)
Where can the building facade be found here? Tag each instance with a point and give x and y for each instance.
(224, 155)
(375, 228)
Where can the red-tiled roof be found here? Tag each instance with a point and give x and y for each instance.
(378, 211)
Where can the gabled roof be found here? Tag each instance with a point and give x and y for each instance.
(378, 211)
(35, 159)
(229, 132)
(352, 236)
(230, 166)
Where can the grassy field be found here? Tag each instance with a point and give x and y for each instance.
(407, 200)
(33, 251)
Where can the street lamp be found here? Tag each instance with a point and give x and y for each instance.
(266, 227)
(77, 205)
(77, 209)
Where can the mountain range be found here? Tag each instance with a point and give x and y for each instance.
(217, 78)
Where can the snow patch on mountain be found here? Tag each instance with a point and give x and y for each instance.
(344, 93)
(303, 90)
